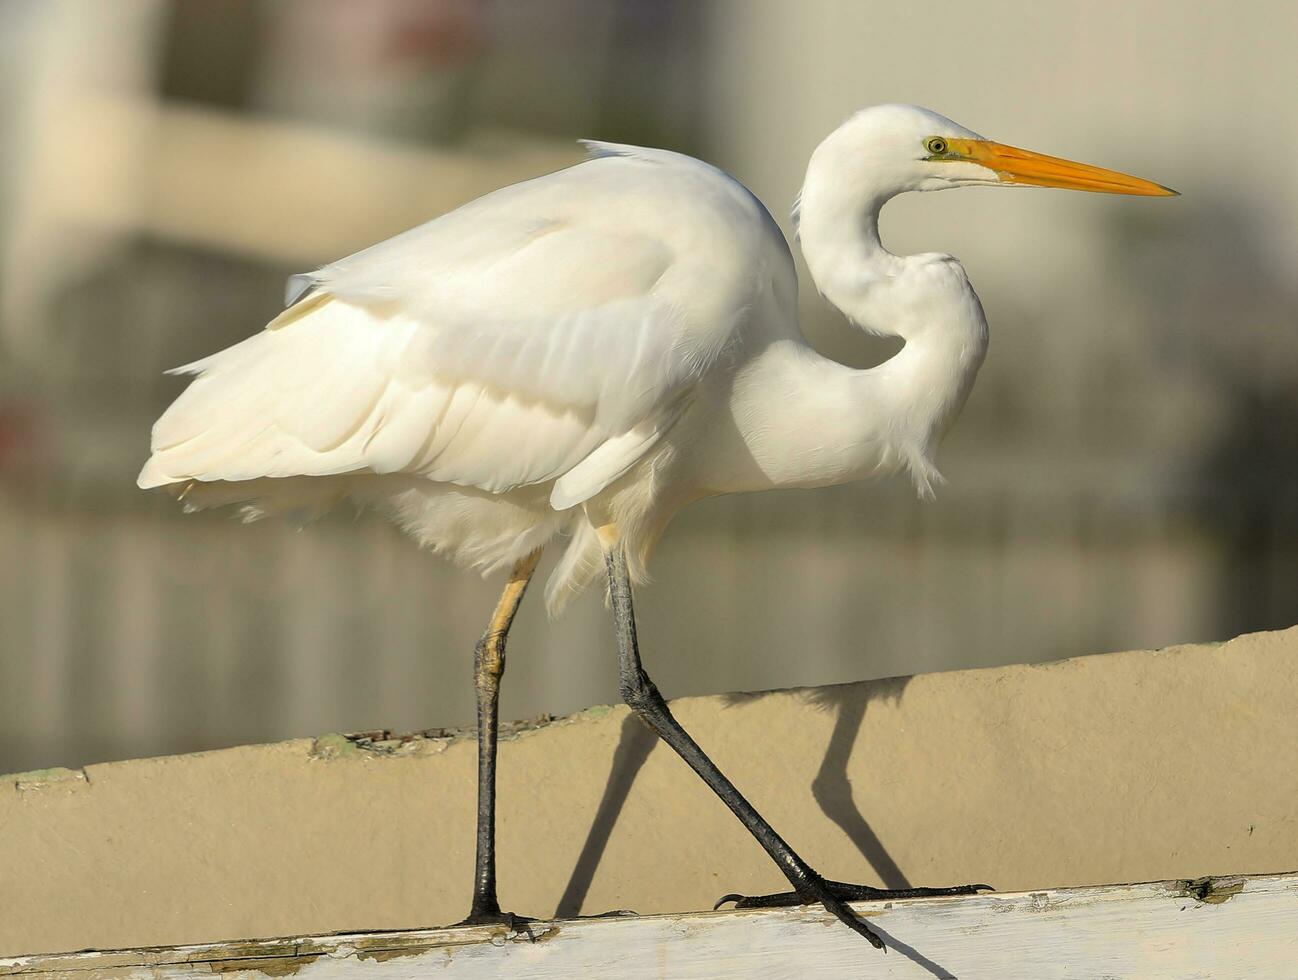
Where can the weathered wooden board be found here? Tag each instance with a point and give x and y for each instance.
(1224, 927)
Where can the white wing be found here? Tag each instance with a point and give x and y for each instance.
(550, 331)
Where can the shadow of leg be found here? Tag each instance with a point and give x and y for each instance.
(632, 750)
(914, 955)
(833, 790)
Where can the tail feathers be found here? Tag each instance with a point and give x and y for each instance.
(300, 500)
(436, 520)
(581, 564)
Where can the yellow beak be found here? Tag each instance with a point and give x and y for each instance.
(1015, 166)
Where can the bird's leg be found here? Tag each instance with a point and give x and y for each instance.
(488, 666)
(642, 696)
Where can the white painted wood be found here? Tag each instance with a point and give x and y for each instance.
(1228, 927)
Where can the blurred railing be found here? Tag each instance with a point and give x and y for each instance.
(140, 632)
(1123, 475)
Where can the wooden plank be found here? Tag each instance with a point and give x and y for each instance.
(1236, 927)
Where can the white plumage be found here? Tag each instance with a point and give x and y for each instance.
(602, 344)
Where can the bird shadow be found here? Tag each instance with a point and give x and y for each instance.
(912, 954)
(632, 751)
(831, 787)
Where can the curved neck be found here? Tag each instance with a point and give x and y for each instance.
(850, 424)
(811, 421)
(838, 230)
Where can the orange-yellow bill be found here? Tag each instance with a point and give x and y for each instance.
(1015, 166)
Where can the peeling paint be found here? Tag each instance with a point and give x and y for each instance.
(333, 746)
(274, 966)
(1039, 902)
(545, 935)
(392, 953)
(382, 743)
(40, 778)
(1210, 891)
(514, 729)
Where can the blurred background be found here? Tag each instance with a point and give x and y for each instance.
(1124, 474)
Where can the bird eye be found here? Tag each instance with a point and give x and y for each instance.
(935, 145)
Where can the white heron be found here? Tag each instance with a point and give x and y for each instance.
(582, 355)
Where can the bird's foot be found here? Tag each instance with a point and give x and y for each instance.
(834, 895)
(515, 925)
(848, 892)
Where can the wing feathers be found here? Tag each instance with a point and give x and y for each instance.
(547, 332)
(611, 460)
(343, 389)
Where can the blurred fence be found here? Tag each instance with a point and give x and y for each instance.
(1125, 474)
(132, 633)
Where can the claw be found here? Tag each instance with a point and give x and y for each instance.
(845, 915)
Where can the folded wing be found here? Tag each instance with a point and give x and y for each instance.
(529, 337)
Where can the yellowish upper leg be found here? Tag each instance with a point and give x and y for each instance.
(609, 536)
(491, 648)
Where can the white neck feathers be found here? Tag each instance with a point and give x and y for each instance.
(852, 424)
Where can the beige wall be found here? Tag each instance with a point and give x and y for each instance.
(1136, 766)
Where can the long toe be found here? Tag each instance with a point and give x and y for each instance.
(819, 892)
(865, 893)
(850, 919)
(849, 892)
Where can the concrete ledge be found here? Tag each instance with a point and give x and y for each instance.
(1124, 767)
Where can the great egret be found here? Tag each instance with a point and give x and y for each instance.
(585, 353)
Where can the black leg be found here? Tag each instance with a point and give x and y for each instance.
(488, 666)
(643, 698)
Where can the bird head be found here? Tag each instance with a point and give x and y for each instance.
(909, 148)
